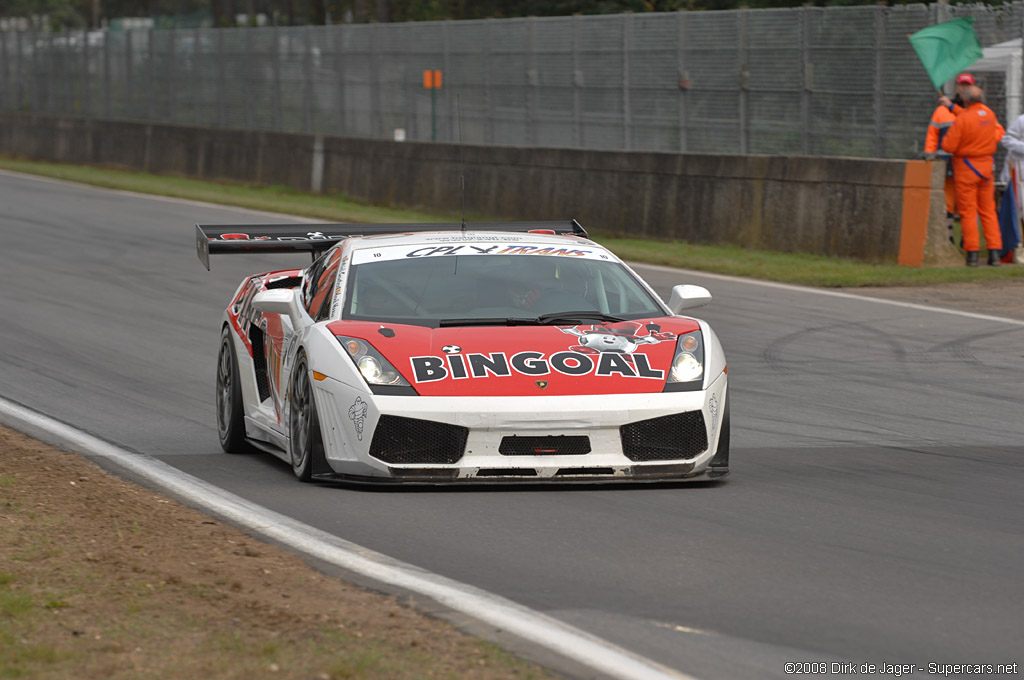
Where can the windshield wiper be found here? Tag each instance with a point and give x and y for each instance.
(542, 320)
(576, 315)
(493, 321)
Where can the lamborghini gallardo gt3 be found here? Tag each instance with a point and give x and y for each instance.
(449, 353)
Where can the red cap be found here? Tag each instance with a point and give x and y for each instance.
(965, 79)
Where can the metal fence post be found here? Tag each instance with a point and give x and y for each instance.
(51, 71)
(627, 113)
(879, 43)
(86, 76)
(127, 89)
(488, 96)
(807, 66)
(531, 83)
(488, 104)
(106, 73)
(307, 84)
(197, 76)
(447, 78)
(149, 74)
(375, 123)
(19, 74)
(277, 117)
(577, 84)
(33, 66)
(69, 73)
(247, 68)
(221, 80)
(744, 123)
(171, 86)
(684, 77)
(340, 80)
(66, 75)
(4, 61)
(411, 86)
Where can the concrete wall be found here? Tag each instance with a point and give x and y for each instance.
(846, 207)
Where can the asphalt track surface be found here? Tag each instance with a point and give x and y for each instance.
(875, 513)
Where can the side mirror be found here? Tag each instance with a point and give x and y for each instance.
(284, 301)
(687, 297)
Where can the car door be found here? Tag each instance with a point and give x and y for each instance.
(316, 291)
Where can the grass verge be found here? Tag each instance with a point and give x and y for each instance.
(810, 270)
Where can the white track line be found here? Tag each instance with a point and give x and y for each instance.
(540, 629)
(831, 293)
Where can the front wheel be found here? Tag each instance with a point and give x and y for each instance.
(305, 442)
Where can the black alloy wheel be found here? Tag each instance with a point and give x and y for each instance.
(305, 442)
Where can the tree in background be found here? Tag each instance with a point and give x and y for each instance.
(77, 14)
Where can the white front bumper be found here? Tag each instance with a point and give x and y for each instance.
(348, 430)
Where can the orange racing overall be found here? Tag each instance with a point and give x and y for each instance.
(972, 139)
(942, 120)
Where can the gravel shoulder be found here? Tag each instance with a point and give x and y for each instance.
(1003, 297)
(102, 579)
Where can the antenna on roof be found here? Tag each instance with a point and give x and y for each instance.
(462, 167)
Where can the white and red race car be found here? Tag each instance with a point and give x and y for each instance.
(447, 353)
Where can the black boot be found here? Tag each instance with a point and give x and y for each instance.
(972, 258)
(994, 257)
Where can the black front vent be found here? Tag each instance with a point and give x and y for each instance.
(678, 436)
(560, 445)
(506, 472)
(579, 472)
(287, 282)
(410, 441)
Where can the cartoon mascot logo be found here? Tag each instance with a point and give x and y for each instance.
(619, 338)
(356, 413)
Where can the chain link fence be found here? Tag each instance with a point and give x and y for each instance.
(838, 81)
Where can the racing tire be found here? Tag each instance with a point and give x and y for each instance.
(721, 460)
(230, 410)
(305, 441)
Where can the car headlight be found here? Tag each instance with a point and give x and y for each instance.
(688, 362)
(375, 369)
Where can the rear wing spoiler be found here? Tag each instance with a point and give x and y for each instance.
(223, 239)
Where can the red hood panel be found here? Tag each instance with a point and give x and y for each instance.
(627, 357)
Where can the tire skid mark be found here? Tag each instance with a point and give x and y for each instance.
(960, 348)
(773, 354)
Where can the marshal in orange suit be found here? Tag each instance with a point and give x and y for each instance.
(972, 140)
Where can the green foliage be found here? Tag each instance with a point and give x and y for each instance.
(61, 15)
(76, 14)
(14, 603)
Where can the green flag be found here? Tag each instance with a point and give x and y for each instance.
(947, 49)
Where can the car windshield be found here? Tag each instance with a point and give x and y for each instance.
(474, 289)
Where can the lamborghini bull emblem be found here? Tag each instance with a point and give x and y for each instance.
(543, 384)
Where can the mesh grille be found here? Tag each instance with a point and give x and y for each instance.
(259, 362)
(287, 282)
(681, 435)
(561, 445)
(399, 440)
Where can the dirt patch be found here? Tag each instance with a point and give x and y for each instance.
(100, 579)
(1002, 297)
